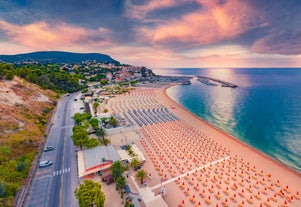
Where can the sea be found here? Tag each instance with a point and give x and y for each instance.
(264, 111)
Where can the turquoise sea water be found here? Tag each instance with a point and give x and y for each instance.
(264, 111)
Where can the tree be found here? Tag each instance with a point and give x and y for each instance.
(103, 82)
(141, 175)
(79, 118)
(113, 121)
(49, 77)
(120, 182)
(106, 141)
(135, 163)
(105, 110)
(6, 70)
(94, 123)
(129, 204)
(128, 147)
(95, 105)
(133, 82)
(117, 169)
(86, 124)
(100, 132)
(104, 120)
(78, 128)
(90, 193)
(9, 75)
(2, 190)
(85, 90)
(80, 138)
(91, 143)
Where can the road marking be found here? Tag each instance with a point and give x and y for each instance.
(63, 171)
(66, 126)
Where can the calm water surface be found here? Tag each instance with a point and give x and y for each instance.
(264, 111)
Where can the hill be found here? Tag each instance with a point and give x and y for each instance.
(57, 57)
(24, 112)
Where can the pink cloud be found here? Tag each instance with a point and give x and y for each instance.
(213, 23)
(140, 11)
(41, 35)
(279, 42)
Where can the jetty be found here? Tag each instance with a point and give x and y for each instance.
(208, 81)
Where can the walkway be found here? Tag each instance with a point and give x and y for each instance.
(147, 194)
(191, 171)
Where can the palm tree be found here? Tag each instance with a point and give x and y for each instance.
(135, 163)
(117, 169)
(141, 175)
(120, 182)
(104, 119)
(113, 121)
(101, 132)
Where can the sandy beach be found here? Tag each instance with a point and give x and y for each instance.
(199, 165)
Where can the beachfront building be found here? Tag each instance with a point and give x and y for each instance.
(96, 161)
(127, 158)
(103, 115)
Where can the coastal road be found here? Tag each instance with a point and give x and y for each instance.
(54, 186)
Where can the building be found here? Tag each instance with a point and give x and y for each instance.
(96, 161)
(125, 157)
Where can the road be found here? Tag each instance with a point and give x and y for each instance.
(54, 186)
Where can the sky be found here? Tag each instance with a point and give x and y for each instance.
(159, 33)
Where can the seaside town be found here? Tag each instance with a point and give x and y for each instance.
(166, 151)
(122, 141)
(150, 103)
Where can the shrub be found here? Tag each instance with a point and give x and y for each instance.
(21, 166)
(2, 190)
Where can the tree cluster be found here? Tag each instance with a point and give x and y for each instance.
(13, 170)
(117, 174)
(79, 118)
(80, 135)
(80, 138)
(49, 77)
(6, 71)
(84, 121)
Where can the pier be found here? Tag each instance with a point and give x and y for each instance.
(206, 80)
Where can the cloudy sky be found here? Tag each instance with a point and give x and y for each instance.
(159, 33)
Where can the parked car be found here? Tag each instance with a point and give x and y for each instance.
(45, 163)
(108, 179)
(138, 167)
(48, 148)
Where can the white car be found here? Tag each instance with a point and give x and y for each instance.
(45, 163)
